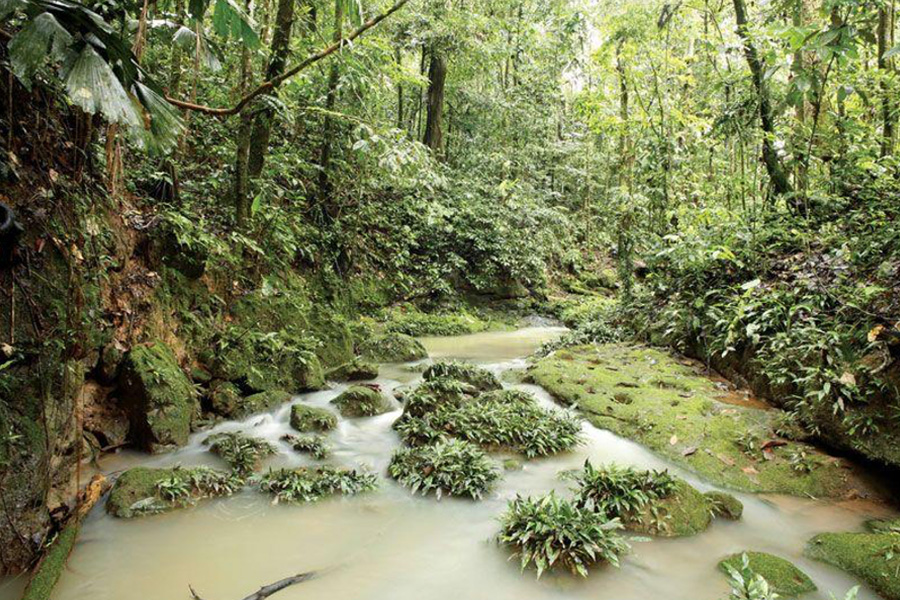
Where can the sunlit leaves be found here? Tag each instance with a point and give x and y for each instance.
(93, 87)
(41, 38)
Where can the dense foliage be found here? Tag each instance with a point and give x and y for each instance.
(451, 467)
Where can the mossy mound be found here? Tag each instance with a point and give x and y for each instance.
(725, 505)
(307, 419)
(255, 370)
(362, 401)
(883, 525)
(684, 512)
(393, 347)
(481, 379)
(263, 401)
(225, 400)
(872, 557)
(355, 370)
(145, 491)
(648, 396)
(783, 577)
(159, 398)
(413, 322)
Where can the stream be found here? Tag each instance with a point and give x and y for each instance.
(391, 545)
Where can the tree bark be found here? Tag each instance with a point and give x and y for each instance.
(326, 207)
(624, 180)
(774, 168)
(278, 57)
(242, 151)
(884, 34)
(437, 76)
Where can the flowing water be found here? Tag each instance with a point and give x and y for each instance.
(390, 545)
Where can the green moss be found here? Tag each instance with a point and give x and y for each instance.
(362, 401)
(883, 526)
(481, 379)
(872, 557)
(413, 322)
(393, 347)
(312, 418)
(225, 399)
(51, 566)
(158, 396)
(263, 401)
(786, 579)
(142, 491)
(355, 370)
(725, 505)
(684, 512)
(646, 395)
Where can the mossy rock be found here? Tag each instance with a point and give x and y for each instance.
(136, 491)
(159, 398)
(263, 401)
(393, 347)
(241, 364)
(355, 370)
(479, 378)
(52, 564)
(725, 505)
(307, 419)
(883, 525)
(783, 577)
(872, 557)
(682, 513)
(683, 416)
(362, 401)
(225, 399)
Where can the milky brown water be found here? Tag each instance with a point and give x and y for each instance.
(390, 545)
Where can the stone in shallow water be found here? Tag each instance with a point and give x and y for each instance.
(306, 418)
(786, 579)
(873, 557)
(393, 347)
(362, 401)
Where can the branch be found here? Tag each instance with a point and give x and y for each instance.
(267, 590)
(275, 82)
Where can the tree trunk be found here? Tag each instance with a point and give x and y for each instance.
(328, 212)
(884, 65)
(437, 75)
(242, 153)
(623, 117)
(278, 56)
(774, 168)
(801, 180)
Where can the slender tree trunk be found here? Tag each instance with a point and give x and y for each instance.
(885, 33)
(278, 57)
(624, 180)
(241, 190)
(437, 76)
(801, 180)
(774, 168)
(398, 57)
(327, 211)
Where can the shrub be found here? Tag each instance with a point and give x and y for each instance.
(312, 484)
(481, 379)
(242, 452)
(415, 431)
(448, 467)
(310, 444)
(551, 532)
(619, 491)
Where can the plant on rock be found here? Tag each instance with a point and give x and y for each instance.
(310, 444)
(241, 451)
(312, 484)
(312, 418)
(482, 379)
(450, 467)
(552, 532)
(620, 491)
(362, 401)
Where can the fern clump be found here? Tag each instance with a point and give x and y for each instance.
(313, 484)
(308, 444)
(620, 491)
(451, 467)
(242, 452)
(479, 378)
(552, 532)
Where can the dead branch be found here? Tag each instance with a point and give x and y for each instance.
(268, 590)
(273, 83)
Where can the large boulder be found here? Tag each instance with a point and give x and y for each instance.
(393, 347)
(225, 399)
(307, 419)
(157, 396)
(355, 370)
(362, 401)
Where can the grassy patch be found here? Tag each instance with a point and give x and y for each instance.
(242, 452)
(873, 557)
(450, 467)
(313, 484)
(312, 418)
(551, 532)
(646, 395)
(416, 323)
(783, 577)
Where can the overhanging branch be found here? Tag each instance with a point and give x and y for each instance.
(273, 83)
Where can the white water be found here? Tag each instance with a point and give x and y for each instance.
(389, 545)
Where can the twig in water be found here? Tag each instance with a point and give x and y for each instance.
(268, 590)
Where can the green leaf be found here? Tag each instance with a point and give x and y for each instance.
(229, 19)
(93, 87)
(43, 37)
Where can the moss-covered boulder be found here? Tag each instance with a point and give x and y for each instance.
(255, 367)
(355, 370)
(306, 419)
(224, 399)
(144, 491)
(684, 512)
(872, 557)
(158, 397)
(723, 504)
(783, 577)
(362, 401)
(242, 452)
(393, 347)
(883, 525)
(481, 379)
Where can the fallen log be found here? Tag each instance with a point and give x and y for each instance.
(267, 590)
(50, 567)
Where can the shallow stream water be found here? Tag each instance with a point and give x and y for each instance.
(390, 545)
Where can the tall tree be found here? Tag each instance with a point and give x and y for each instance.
(240, 191)
(885, 33)
(774, 167)
(437, 76)
(327, 211)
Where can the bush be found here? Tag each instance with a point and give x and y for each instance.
(550, 532)
(448, 467)
(479, 378)
(618, 491)
(310, 444)
(312, 484)
(242, 452)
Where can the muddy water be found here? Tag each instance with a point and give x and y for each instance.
(389, 545)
